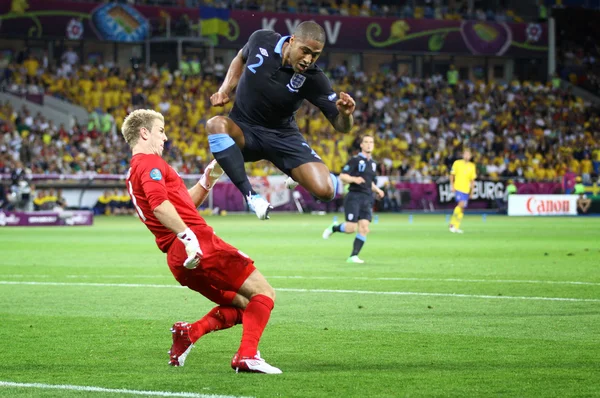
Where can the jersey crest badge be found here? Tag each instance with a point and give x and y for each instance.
(296, 82)
(263, 51)
(155, 174)
(374, 166)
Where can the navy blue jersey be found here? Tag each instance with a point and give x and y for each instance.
(360, 166)
(269, 94)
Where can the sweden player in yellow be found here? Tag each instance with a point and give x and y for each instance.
(462, 182)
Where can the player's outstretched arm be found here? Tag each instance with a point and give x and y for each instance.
(198, 194)
(236, 68)
(200, 191)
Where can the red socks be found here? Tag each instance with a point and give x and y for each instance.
(218, 318)
(255, 319)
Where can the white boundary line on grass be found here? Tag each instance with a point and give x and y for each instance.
(355, 278)
(480, 296)
(111, 390)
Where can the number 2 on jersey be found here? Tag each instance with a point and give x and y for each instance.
(256, 65)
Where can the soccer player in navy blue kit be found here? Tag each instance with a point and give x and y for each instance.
(274, 74)
(360, 172)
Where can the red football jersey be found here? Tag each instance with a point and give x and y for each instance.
(151, 181)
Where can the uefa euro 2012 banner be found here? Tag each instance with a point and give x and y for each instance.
(121, 22)
(45, 218)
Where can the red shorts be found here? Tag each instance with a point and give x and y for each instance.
(221, 272)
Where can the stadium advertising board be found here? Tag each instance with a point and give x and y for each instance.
(542, 205)
(45, 218)
(407, 35)
(121, 22)
(484, 191)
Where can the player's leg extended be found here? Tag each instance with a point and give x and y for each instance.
(317, 179)
(351, 213)
(457, 216)
(359, 241)
(226, 141)
(256, 316)
(229, 313)
(221, 317)
(345, 227)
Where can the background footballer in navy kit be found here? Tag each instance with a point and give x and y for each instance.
(274, 74)
(358, 204)
(361, 173)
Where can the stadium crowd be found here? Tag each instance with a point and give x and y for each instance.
(522, 130)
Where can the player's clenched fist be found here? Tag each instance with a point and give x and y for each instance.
(345, 104)
(192, 248)
(219, 99)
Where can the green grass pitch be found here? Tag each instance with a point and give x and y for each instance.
(511, 308)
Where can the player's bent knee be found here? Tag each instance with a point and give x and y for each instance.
(269, 292)
(324, 193)
(216, 125)
(239, 301)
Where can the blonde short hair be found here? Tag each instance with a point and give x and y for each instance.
(135, 121)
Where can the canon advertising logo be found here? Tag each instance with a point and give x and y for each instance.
(547, 206)
(542, 205)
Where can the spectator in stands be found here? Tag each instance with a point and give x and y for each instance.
(39, 200)
(391, 200)
(583, 202)
(70, 57)
(586, 169)
(102, 205)
(61, 202)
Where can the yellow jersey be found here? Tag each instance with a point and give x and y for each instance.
(464, 174)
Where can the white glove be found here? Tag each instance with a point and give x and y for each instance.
(192, 248)
(212, 172)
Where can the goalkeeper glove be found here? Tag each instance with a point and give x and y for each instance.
(212, 172)
(192, 248)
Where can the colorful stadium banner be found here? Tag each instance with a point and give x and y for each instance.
(408, 35)
(120, 22)
(64, 19)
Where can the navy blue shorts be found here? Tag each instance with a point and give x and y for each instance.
(358, 206)
(285, 148)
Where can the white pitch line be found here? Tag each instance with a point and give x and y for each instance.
(438, 295)
(355, 278)
(111, 390)
(366, 278)
(480, 296)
